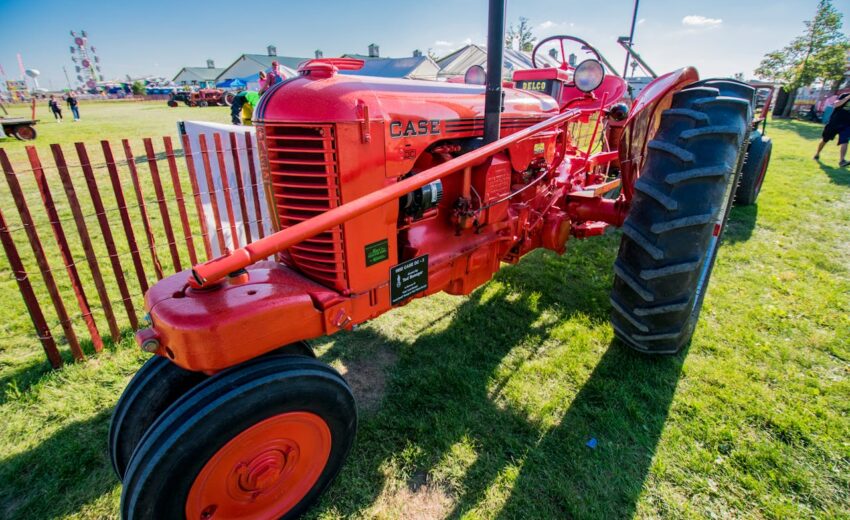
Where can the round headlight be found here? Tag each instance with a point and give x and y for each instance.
(588, 75)
(475, 75)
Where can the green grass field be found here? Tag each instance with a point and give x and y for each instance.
(482, 407)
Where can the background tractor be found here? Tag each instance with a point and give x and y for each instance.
(387, 190)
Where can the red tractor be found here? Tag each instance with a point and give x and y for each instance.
(388, 190)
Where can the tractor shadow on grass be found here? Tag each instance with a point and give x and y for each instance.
(56, 477)
(452, 387)
(805, 129)
(741, 223)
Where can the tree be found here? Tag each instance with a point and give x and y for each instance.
(138, 88)
(521, 35)
(817, 55)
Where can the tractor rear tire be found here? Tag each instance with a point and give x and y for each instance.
(755, 169)
(677, 216)
(260, 440)
(151, 391)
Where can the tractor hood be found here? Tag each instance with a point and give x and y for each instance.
(409, 107)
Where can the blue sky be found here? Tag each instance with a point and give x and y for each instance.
(719, 37)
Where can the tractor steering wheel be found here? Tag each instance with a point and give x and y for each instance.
(561, 38)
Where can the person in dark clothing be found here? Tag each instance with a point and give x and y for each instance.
(839, 124)
(72, 103)
(55, 108)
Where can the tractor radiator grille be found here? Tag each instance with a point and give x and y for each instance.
(304, 182)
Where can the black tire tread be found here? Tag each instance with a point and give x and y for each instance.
(149, 490)
(696, 154)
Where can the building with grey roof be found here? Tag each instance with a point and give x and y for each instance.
(203, 77)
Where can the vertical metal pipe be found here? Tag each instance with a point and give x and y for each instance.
(163, 206)
(30, 300)
(495, 59)
(631, 39)
(140, 199)
(240, 187)
(106, 231)
(115, 179)
(85, 240)
(65, 252)
(255, 184)
(178, 194)
(38, 250)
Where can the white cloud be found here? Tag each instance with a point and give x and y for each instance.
(696, 20)
(442, 43)
(640, 22)
(548, 24)
(467, 41)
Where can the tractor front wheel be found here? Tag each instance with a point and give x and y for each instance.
(261, 440)
(754, 170)
(677, 216)
(151, 391)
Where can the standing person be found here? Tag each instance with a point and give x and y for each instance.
(55, 108)
(72, 103)
(263, 79)
(839, 124)
(274, 77)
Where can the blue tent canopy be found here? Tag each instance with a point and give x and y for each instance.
(232, 83)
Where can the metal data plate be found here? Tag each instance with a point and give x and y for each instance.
(408, 278)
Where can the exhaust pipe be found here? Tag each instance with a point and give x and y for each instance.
(495, 59)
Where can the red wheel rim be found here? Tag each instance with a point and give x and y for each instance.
(25, 132)
(263, 472)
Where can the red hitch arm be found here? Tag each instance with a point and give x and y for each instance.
(217, 268)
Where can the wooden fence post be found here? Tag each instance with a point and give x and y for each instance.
(37, 317)
(65, 251)
(100, 211)
(178, 194)
(163, 207)
(118, 190)
(202, 139)
(196, 194)
(134, 176)
(82, 229)
(38, 251)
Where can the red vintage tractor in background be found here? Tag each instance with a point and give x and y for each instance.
(389, 190)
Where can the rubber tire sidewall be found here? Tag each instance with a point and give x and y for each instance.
(758, 160)
(178, 446)
(154, 387)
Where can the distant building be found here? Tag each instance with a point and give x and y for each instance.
(203, 77)
(413, 67)
(248, 66)
(458, 62)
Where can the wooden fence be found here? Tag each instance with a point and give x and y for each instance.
(137, 219)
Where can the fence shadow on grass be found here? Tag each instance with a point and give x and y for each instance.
(56, 477)
(444, 391)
